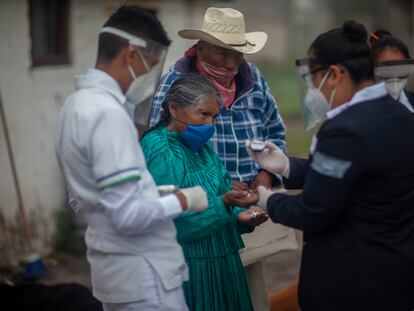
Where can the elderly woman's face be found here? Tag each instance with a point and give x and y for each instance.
(202, 114)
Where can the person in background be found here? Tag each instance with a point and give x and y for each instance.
(249, 110)
(178, 152)
(393, 65)
(356, 207)
(136, 262)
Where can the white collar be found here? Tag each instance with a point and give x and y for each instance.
(404, 100)
(98, 78)
(368, 93)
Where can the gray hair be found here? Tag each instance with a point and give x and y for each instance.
(191, 90)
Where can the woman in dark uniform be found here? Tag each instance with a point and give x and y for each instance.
(357, 204)
(393, 58)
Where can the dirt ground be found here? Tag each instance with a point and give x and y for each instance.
(279, 270)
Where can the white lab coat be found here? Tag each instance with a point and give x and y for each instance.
(129, 225)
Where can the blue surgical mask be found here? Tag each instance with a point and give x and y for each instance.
(196, 136)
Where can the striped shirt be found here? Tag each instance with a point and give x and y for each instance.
(253, 115)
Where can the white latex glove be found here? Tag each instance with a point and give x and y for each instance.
(272, 158)
(196, 198)
(264, 195)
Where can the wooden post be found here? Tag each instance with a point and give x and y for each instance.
(25, 226)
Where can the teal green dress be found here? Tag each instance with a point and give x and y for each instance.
(210, 239)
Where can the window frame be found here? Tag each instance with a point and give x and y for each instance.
(63, 57)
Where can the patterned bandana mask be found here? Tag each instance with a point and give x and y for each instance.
(222, 78)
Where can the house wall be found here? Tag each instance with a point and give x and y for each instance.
(32, 98)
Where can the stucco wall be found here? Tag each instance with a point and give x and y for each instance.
(32, 98)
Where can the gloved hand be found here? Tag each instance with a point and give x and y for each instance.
(272, 158)
(264, 195)
(196, 198)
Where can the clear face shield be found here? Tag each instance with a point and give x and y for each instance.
(314, 105)
(394, 74)
(141, 92)
(142, 89)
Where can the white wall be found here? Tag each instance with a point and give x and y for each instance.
(32, 98)
(175, 15)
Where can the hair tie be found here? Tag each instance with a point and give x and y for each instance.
(374, 36)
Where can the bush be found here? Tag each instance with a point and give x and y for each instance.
(68, 239)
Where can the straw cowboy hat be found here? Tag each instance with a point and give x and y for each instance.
(225, 27)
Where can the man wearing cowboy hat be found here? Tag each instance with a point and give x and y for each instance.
(249, 112)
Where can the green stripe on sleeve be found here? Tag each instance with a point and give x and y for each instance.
(120, 181)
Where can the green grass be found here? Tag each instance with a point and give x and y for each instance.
(298, 141)
(283, 84)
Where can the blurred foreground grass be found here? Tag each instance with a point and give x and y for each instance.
(284, 87)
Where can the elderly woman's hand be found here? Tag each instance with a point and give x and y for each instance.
(240, 198)
(253, 216)
(264, 179)
(239, 186)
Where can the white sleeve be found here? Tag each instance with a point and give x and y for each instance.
(113, 149)
(130, 213)
(118, 166)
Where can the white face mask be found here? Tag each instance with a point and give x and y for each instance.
(316, 105)
(141, 91)
(395, 86)
(143, 86)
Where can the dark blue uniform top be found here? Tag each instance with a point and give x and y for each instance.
(410, 96)
(356, 211)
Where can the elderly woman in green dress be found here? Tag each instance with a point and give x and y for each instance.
(178, 152)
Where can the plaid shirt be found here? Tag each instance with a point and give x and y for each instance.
(253, 115)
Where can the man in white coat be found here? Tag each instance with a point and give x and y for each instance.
(136, 262)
